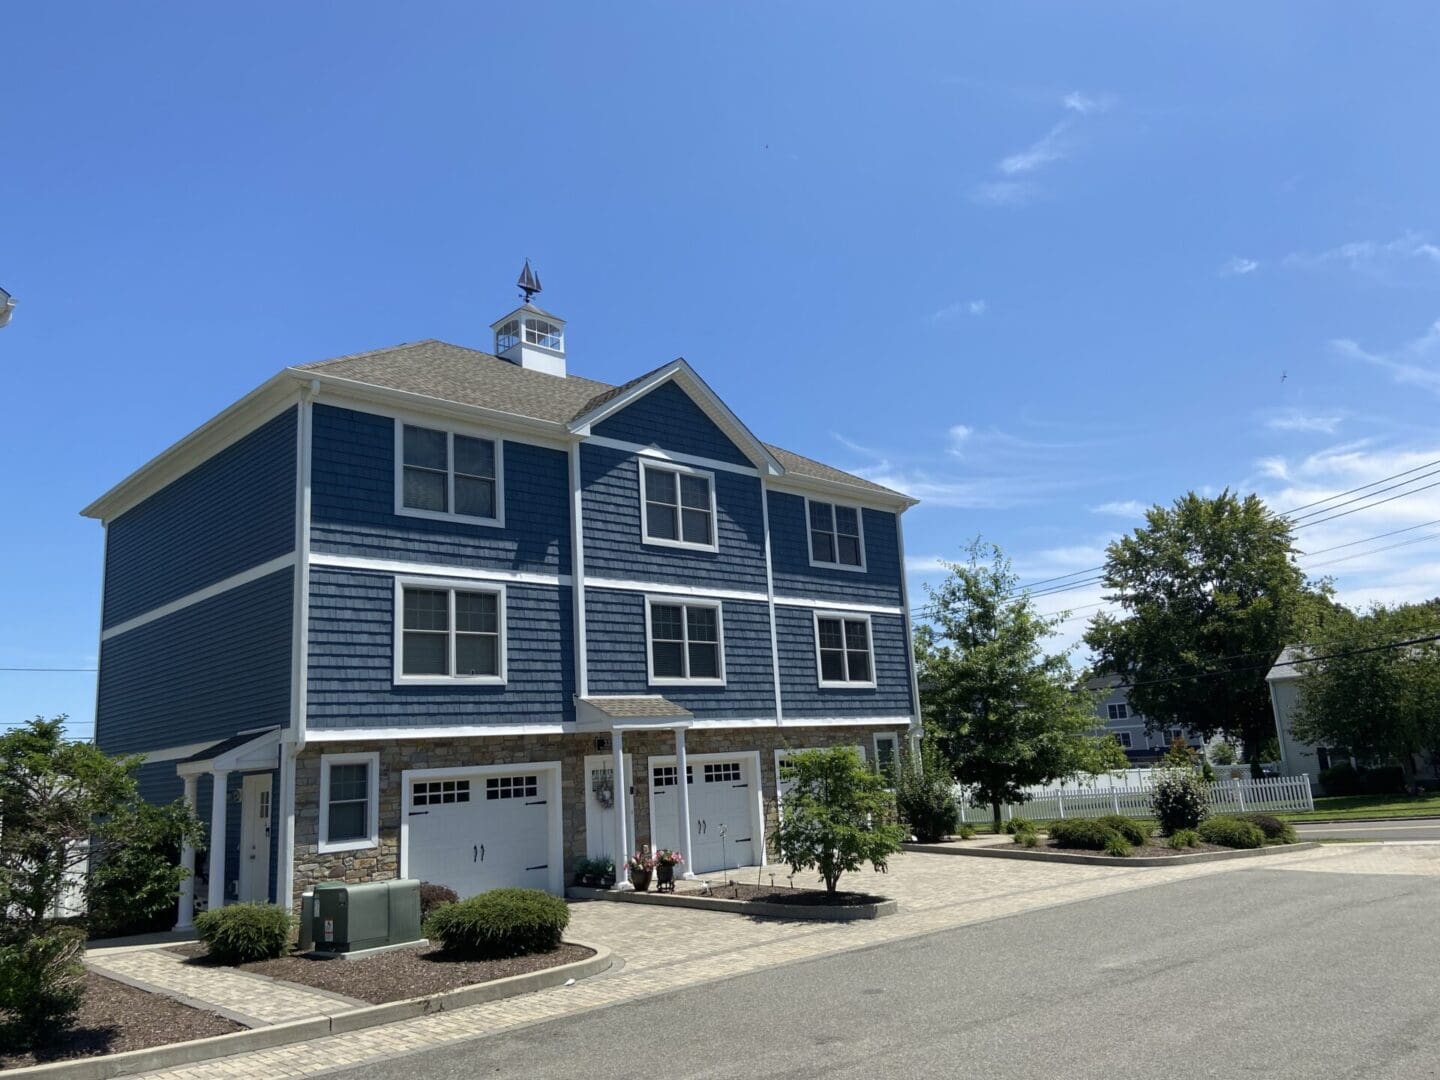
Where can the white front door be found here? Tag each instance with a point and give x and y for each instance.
(600, 796)
(722, 811)
(255, 839)
(480, 829)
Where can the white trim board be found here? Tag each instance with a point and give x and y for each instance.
(371, 759)
(169, 753)
(444, 570)
(678, 471)
(833, 605)
(670, 457)
(450, 586)
(234, 581)
(835, 505)
(684, 602)
(454, 731)
(450, 430)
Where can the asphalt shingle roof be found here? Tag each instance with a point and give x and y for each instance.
(470, 377)
(629, 708)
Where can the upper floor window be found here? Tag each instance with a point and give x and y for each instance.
(1119, 712)
(447, 634)
(543, 333)
(843, 645)
(677, 506)
(1123, 737)
(836, 536)
(448, 475)
(686, 642)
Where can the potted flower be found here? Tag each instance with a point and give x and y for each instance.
(604, 870)
(665, 863)
(640, 866)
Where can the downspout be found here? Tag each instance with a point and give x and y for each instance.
(577, 573)
(770, 601)
(293, 742)
(915, 723)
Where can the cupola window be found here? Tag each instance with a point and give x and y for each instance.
(508, 336)
(544, 333)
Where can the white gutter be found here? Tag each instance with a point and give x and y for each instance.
(915, 726)
(577, 572)
(770, 601)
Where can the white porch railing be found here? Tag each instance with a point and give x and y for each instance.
(1274, 794)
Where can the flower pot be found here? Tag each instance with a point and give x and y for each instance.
(640, 879)
(665, 877)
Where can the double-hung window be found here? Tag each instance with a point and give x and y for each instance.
(1119, 712)
(448, 474)
(677, 506)
(349, 801)
(447, 633)
(887, 756)
(842, 643)
(1123, 738)
(686, 642)
(837, 537)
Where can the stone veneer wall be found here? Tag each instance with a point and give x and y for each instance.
(379, 864)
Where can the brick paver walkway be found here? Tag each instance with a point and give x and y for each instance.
(252, 1000)
(671, 949)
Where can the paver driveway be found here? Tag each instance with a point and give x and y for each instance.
(667, 949)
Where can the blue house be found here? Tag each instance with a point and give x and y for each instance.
(466, 617)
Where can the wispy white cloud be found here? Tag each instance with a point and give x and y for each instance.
(1003, 193)
(960, 307)
(851, 444)
(959, 433)
(1412, 364)
(1049, 147)
(1075, 101)
(1058, 143)
(1380, 260)
(1129, 508)
(1239, 267)
(1293, 420)
(977, 307)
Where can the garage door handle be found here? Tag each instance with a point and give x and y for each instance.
(742, 840)
(542, 866)
(536, 802)
(739, 785)
(474, 853)
(482, 852)
(418, 813)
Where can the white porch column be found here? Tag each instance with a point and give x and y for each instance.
(682, 784)
(186, 918)
(219, 804)
(622, 789)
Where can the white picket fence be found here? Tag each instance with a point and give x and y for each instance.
(1271, 794)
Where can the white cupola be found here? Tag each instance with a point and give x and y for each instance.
(530, 336)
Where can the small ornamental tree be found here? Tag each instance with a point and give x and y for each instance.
(837, 816)
(925, 796)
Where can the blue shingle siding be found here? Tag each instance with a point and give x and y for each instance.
(668, 419)
(613, 547)
(352, 643)
(615, 634)
(159, 783)
(790, 557)
(231, 512)
(352, 509)
(205, 672)
(799, 679)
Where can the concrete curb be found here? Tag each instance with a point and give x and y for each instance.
(1303, 822)
(1110, 860)
(263, 1038)
(741, 907)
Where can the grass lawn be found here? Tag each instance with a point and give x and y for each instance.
(1369, 806)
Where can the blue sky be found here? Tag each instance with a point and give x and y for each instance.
(1037, 264)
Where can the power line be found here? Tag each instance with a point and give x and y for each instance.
(1367, 506)
(1367, 539)
(1362, 487)
(1362, 498)
(1376, 551)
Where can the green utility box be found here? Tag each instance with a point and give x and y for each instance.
(348, 918)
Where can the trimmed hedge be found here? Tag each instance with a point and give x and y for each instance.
(499, 924)
(1275, 830)
(1231, 832)
(241, 933)
(1088, 834)
(1134, 832)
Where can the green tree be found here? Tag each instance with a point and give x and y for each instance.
(925, 795)
(837, 816)
(1005, 713)
(1379, 701)
(1210, 593)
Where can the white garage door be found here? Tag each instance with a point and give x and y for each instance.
(478, 832)
(721, 820)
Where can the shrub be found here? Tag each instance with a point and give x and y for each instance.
(499, 923)
(41, 983)
(1134, 832)
(1231, 832)
(432, 896)
(925, 797)
(1088, 834)
(133, 887)
(242, 933)
(1341, 779)
(1386, 780)
(967, 831)
(1115, 844)
(1184, 838)
(1178, 798)
(1275, 830)
(1027, 839)
(1019, 825)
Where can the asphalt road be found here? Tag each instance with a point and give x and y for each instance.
(1257, 973)
(1416, 829)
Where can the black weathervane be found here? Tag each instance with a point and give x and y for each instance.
(529, 282)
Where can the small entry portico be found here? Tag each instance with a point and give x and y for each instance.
(621, 714)
(254, 755)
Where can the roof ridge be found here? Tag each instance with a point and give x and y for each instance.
(367, 352)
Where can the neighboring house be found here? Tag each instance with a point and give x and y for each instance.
(410, 612)
(1129, 728)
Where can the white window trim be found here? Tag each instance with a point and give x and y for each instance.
(1122, 710)
(810, 539)
(1125, 739)
(372, 802)
(893, 738)
(451, 430)
(683, 601)
(675, 467)
(844, 616)
(450, 585)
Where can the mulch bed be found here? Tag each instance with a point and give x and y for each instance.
(1145, 851)
(114, 1017)
(767, 894)
(398, 974)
